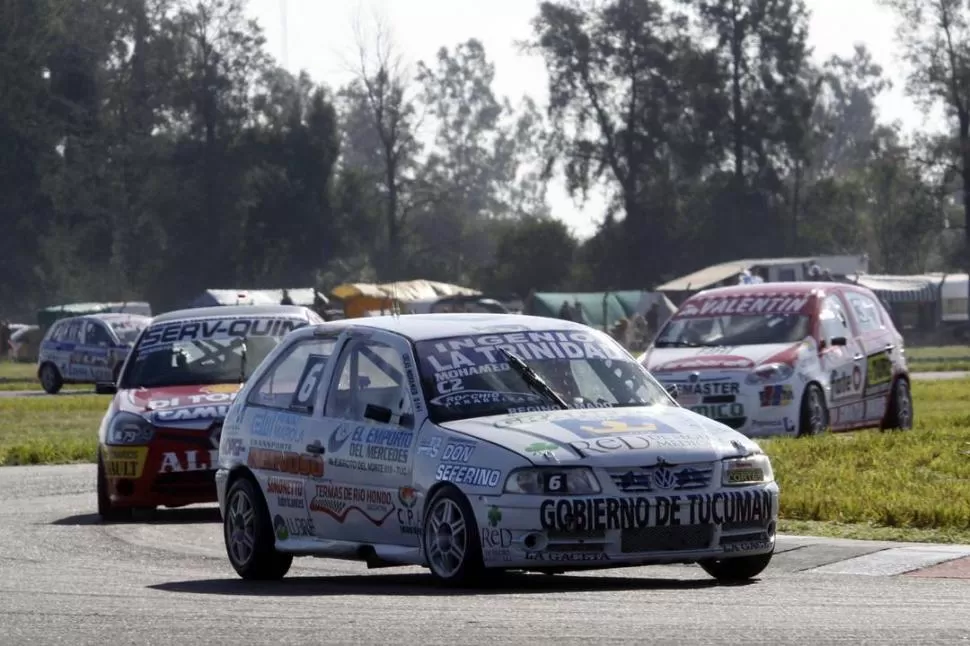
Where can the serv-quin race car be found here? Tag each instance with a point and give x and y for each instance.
(468, 443)
(87, 350)
(786, 359)
(159, 439)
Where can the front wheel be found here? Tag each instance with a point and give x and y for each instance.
(738, 569)
(250, 539)
(451, 543)
(900, 407)
(814, 414)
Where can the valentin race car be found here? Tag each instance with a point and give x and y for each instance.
(468, 443)
(786, 359)
(159, 439)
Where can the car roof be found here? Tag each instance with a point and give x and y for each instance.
(107, 317)
(226, 311)
(424, 327)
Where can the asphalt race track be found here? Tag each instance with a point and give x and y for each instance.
(164, 579)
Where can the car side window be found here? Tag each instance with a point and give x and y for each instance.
(57, 332)
(73, 333)
(95, 334)
(293, 382)
(833, 320)
(866, 312)
(371, 374)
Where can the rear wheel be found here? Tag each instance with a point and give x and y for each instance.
(250, 539)
(900, 414)
(50, 378)
(106, 510)
(814, 415)
(742, 568)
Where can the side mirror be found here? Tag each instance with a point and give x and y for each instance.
(839, 341)
(377, 413)
(105, 389)
(672, 390)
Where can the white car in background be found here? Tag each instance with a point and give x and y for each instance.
(473, 442)
(786, 359)
(87, 349)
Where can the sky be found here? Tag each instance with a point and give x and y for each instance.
(320, 39)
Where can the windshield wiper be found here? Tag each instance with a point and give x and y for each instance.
(533, 379)
(684, 344)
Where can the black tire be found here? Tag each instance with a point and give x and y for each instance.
(106, 510)
(900, 411)
(262, 562)
(447, 507)
(50, 378)
(813, 416)
(738, 569)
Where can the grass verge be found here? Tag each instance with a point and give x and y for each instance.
(50, 430)
(912, 486)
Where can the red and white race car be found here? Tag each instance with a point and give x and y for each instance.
(786, 359)
(159, 439)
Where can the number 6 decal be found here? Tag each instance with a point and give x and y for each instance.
(309, 380)
(555, 482)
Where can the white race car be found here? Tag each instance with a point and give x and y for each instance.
(474, 442)
(786, 359)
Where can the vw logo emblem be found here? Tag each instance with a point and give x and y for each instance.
(663, 478)
(693, 377)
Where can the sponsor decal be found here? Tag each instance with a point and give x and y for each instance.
(846, 383)
(413, 388)
(497, 555)
(124, 462)
(494, 516)
(286, 462)
(779, 395)
(538, 448)
(288, 492)
(380, 444)
(785, 425)
(173, 462)
(706, 388)
(614, 426)
(191, 401)
(286, 528)
(458, 451)
(429, 447)
(879, 373)
(747, 546)
(178, 331)
(340, 436)
(607, 445)
(862, 412)
(469, 476)
(744, 473)
(369, 467)
(719, 411)
(216, 389)
(407, 517)
(748, 305)
(604, 514)
(706, 363)
(336, 501)
(277, 425)
(235, 446)
(191, 414)
(567, 557)
(496, 538)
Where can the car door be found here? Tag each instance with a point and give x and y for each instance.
(283, 423)
(369, 414)
(97, 347)
(879, 346)
(72, 352)
(843, 363)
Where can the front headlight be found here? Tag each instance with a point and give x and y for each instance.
(563, 482)
(127, 429)
(770, 373)
(754, 469)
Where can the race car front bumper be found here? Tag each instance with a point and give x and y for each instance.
(162, 474)
(567, 532)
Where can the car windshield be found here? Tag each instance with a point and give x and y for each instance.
(127, 331)
(203, 352)
(738, 320)
(476, 376)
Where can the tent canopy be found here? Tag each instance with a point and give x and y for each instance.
(621, 304)
(918, 288)
(47, 316)
(215, 297)
(360, 298)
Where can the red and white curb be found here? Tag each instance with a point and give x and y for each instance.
(811, 555)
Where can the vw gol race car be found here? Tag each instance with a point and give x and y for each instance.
(786, 359)
(474, 442)
(159, 439)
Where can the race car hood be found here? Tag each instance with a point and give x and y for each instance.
(180, 406)
(718, 358)
(610, 436)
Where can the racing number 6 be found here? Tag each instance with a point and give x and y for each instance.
(309, 383)
(555, 482)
